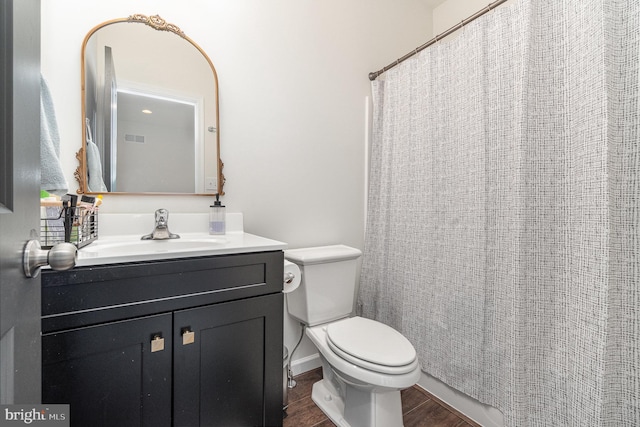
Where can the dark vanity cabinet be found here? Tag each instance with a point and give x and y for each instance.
(184, 342)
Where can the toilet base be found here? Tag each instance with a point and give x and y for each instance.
(361, 409)
(330, 403)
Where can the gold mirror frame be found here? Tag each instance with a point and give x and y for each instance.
(159, 24)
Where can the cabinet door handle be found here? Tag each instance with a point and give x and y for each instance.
(188, 336)
(157, 343)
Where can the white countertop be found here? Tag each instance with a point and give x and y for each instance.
(129, 248)
(119, 239)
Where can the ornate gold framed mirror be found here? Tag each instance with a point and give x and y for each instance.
(150, 116)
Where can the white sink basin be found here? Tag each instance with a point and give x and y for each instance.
(129, 248)
(125, 247)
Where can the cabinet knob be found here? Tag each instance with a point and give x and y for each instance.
(188, 336)
(157, 343)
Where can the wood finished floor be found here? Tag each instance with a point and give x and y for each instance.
(419, 408)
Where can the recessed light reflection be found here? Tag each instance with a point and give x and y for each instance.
(147, 111)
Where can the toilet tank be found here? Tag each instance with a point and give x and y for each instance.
(328, 283)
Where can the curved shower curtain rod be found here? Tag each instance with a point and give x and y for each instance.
(374, 75)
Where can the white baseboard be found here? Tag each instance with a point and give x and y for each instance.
(305, 364)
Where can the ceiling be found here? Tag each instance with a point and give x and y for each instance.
(163, 111)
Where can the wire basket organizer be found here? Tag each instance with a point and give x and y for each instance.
(77, 225)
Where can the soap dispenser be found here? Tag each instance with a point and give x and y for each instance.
(217, 217)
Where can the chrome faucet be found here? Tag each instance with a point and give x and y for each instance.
(161, 230)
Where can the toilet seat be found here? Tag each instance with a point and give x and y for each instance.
(371, 345)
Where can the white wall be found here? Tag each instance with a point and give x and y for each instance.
(293, 82)
(293, 78)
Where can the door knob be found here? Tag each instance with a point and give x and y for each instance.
(62, 256)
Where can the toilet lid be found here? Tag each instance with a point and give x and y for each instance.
(368, 343)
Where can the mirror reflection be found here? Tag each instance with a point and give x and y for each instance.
(150, 111)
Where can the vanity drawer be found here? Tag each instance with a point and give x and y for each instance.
(90, 295)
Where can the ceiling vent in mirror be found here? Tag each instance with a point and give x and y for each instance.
(134, 138)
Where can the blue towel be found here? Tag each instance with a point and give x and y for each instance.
(52, 177)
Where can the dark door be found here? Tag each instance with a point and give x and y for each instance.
(115, 374)
(227, 364)
(19, 199)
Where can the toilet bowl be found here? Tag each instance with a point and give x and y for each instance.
(365, 363)
(362, 381)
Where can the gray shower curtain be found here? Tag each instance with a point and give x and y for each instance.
(504, 211)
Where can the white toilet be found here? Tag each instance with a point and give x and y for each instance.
(365, 363)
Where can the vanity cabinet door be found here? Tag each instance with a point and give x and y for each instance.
(227, 364)
(111, 374)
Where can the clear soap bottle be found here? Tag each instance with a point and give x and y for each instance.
(217, 213)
